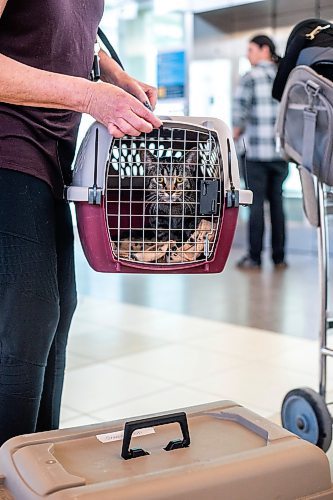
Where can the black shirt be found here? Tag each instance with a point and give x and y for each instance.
(57, 36)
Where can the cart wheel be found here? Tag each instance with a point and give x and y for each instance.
(304, 412)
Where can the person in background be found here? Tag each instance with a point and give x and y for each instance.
(254, 116)
(47, 52)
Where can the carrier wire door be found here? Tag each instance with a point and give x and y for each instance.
(166, 201)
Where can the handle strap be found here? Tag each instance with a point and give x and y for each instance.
(108, 45)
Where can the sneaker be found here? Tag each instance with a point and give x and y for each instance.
(280, 266)
(248, 264)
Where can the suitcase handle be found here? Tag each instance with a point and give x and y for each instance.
(171, 418)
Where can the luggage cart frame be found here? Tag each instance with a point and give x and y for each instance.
(304, 411)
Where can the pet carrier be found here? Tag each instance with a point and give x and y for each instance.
(213, 451)
(166, 201)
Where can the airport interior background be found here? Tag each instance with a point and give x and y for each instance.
(145, 343)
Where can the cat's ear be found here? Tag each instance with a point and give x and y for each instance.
(147, 158)
(191, 157)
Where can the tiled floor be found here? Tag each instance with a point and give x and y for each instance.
(126, 360)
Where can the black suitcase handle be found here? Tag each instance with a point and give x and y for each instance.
(143, 423)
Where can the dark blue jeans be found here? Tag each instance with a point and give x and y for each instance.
(265, 180)
(37, 302)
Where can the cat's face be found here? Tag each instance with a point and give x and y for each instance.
(170, 182)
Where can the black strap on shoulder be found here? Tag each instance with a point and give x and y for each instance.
(108, 45)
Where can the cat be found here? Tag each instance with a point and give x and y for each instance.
(170, 195)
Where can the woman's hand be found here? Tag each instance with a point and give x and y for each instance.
(119, 111)
(112, 73)
(145, 93)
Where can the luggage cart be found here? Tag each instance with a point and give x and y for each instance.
(305, 411)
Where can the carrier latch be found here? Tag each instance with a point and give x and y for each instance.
(232, 198)
(208, 196)
(95, 195)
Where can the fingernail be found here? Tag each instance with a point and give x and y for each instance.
(147, 104)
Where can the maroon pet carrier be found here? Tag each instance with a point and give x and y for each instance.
(166, 201)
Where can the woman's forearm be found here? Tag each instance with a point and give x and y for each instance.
(23, 85)
(110, 105)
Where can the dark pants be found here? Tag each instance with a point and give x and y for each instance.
(265, 180)
(37, 302)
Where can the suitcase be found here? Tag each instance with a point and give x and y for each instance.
(214, 451)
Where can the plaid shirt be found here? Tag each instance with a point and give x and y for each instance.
(255, 112)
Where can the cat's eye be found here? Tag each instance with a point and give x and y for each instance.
(160, 180)
(179, 180)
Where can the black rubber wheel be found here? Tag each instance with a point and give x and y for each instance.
(305, 413)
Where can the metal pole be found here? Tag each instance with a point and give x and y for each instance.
(323, 279)
(317, 8)
(189, 41)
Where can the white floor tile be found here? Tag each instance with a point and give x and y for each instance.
(249, 343)
(144, 320)
(177, 363)
(107, 344)
(67, 413)
(101, 385)
(275, 418)
(74, 361)
(256, 385)
(305, 359)
(170, 399)
(79, 421)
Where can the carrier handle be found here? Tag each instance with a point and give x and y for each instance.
(143, 423)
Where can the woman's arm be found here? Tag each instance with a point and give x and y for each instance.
(3, 4)
(23, 85)
(120, 112)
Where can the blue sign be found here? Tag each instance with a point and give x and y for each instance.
(171, 74)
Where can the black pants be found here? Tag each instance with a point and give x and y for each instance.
(265, 180)
(37, 302)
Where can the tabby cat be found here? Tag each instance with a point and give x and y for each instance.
(170, 195)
